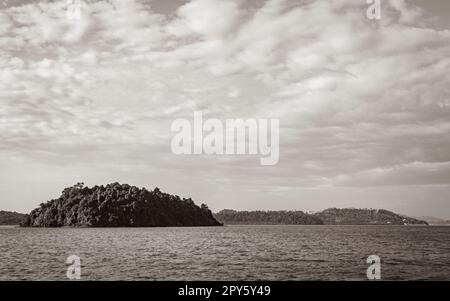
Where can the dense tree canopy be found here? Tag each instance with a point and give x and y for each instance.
(267, 217)
(350, 216)
(116, 205)
(331, 216)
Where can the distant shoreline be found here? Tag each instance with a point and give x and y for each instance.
(230, 225)
(331, 216)
(228, 217)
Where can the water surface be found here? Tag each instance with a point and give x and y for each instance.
(226, 253)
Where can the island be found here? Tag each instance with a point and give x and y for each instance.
(233, 217)
(119, 205)
(352, 216)
(332, 216)
(8, 218)
(122, 205)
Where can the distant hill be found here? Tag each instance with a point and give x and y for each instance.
(350, 216)
(332, 216)
(116, 205)
(232, 217)
(11, 218)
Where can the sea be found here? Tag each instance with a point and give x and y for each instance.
(226, 253)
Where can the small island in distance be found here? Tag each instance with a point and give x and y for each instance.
(118, 205)
(8, 218)
(331, 216)
(122, 205)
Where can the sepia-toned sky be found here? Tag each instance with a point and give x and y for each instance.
(364, 105)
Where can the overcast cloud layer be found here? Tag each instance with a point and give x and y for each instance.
(364, 105)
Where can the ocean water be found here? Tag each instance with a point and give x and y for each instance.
(227, 253)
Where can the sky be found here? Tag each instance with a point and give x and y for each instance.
(363, 105)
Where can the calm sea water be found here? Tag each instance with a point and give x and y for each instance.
(227, 253)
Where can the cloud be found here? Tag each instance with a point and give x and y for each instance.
(415, 173)
(408, 13)
(208, 19)
(361, 103)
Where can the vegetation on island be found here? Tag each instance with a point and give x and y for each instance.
(351, 216)
(116, 205)
(122, 205)
(232, 217)
(8, 218)
(332, 216)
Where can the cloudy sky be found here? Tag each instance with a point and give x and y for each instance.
(364, 105)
